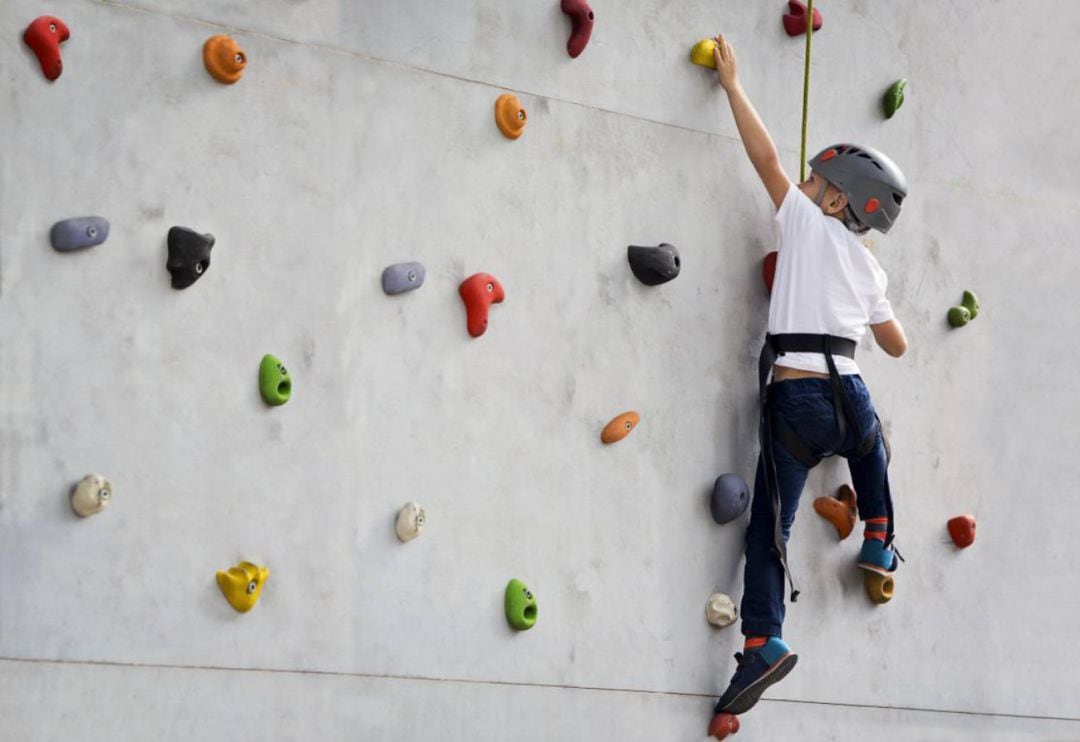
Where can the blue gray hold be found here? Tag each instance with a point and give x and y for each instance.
(730, 496)
(79, 233)
(654, 265)
(402, 277)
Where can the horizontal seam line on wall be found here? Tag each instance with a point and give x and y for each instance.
(516, 684)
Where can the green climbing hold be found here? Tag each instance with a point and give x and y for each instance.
(520, 606)
(275, 384)
(894, 98)
(959, 316)
(970, 302)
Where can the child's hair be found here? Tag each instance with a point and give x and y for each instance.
(874, 186)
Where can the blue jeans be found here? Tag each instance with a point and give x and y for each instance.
(807, 406)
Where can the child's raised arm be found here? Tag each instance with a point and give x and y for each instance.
(759, 145)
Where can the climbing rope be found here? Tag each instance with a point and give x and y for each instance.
(806, 86)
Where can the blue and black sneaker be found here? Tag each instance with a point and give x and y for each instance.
(757, 670)
(875, 556)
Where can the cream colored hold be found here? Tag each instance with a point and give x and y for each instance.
(91, 495)
(720, 611)
(410, 521)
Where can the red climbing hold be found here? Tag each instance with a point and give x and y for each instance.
(795, 19)
(962, 530)
(479, 291)
(768, 270)
(582, 17)
(723, 724)
(44, 36)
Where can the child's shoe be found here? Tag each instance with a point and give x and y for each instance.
(758, 669)
(875, 556)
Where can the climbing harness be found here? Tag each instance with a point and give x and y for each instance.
(772, 426)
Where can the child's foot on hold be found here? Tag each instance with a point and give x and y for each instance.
(760, 665)
(875, 556)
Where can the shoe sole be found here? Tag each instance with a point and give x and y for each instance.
(751, 694)
(874, 568)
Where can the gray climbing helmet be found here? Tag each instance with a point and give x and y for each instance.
(875, 187)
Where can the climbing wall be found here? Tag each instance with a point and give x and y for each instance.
(362, 135)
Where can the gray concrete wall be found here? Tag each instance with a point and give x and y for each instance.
(362, 135)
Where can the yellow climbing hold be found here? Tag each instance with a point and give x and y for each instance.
(702, 53)
(243, 584)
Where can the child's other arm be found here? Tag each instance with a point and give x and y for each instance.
(890, 337)
(759, 145)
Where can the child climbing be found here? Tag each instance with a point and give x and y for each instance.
(828, 288)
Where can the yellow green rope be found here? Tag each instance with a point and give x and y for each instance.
(806, 86)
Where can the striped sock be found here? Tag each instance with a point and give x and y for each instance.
(754, 642)
(875, 528)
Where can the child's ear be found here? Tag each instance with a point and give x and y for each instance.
(837, 203)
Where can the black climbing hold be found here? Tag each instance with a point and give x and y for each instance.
(77, 233)
(730, 496)
(189, 256)
(402, 277)
(654, 265)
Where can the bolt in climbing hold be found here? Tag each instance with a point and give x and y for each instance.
(479, 291)
(189, 256)
(510, 116)
(970, 302)
(723, 725)
(962, 530)
(275, 384)
(768, 270)
(654, 265)
(894, 98)
(224, 59)
(702, 53)
(91, 495)
(520, 606)
(581, 18)
(879, 587)
(78, 233)
(241, 585)
(402, 277)
(44, 35)
(841, 510)
(410, 521)
(730, 496)
(720, 610)
(795, 19)
(959, 316)
(619, 427)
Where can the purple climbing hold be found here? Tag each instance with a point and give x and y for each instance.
(78, 233)
(730, 496)
(402, 277)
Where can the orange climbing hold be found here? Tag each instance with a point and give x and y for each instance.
(840, 510)
(510, 116)
(768, 270)
(962, 530)
(723, 725)
(479, 291)
(620, 427)
(224, 59)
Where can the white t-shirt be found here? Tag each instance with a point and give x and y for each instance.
(826, 282)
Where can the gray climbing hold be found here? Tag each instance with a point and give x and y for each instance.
(189, 256)
(654, 265)
(80, 232)
(730, 496)
(402, 277)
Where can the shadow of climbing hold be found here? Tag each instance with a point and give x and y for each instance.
(581, 18)
(241, 585)
(720, 611)
(520, 606)
(402, 277)
(654, 265)
(959, 316)
(970, 302)
(224, 59)
(730, 496)
(840, 510)
(723, 725)
(275, 384)
(510, 117)
(479, 291)
(894, 98)
(189, 256)
(45, 35)
(768, 270)
(620, 427)
(795, 19)
(962, 530)
(78, 233)
(879, 587)
(702, 53)
(410, 521)
(91, 495)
